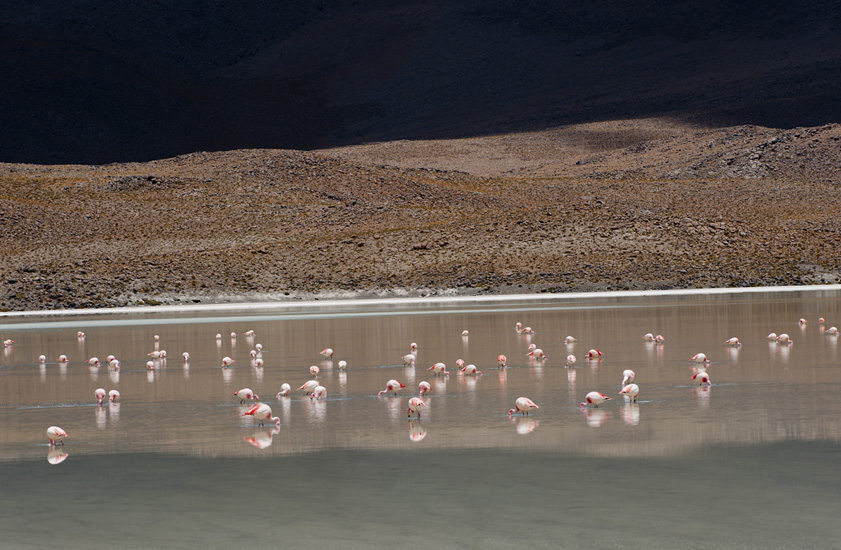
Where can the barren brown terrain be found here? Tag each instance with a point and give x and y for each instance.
(644, 204)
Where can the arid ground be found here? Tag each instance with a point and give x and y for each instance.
(404, 148)
(643, 204)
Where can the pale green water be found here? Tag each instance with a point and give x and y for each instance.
(752, 462)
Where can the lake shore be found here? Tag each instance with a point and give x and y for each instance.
(648, 205)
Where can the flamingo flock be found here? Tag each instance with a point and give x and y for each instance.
(524, 406)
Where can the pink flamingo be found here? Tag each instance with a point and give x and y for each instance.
(632, 391)
(409, 359)
(628, 376)
(320, 392)
(702, 378)
(594, 398)
(245, 394)
(501, 361)
(342, 365)
(423, 388)
(537, 354)
(699, 358)
(648, 337)
(460, 364)
(327, 352)
(94, 362)
(784, 339)
(54, 433)
(522, 405)
(284, 390)
(570, 340)
(99, 394)
(308, 387)
(262, 412)
(594, 354)
(659, 339)
(392, 386)
(415, 404)
(733, 342)
(571, 359)
(314, 370)
(113, 396)
(227, 361)
(471, 369)
(439, 368)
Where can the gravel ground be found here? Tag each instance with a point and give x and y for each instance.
(646, 204)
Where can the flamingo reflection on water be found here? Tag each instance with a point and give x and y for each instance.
(261, 440)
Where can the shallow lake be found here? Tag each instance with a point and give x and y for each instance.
(752, 461)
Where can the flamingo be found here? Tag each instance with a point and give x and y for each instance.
(659, 339)
(648, 337)
(702, 377)
(113, 396)
(93, 361)
(460, 364)
(772, 337)
(528, 330)
(327, 352)
(262, 412)
(699, 358)
(628, 376)
(258, 347)
(157, 354)
(80, 335)
(594, 398)
(439, 368)
(465, 333)
(308, 386)
(631, 390)
(570, 340)
(518, 327)
(471, 369)
(342, 365)
(185, 356)
(409, 359)
(532, 347)
(150, 365)
(733, 342)
(245, 394)
(392, 386)
(784, 339)
(413, 347)
(802, 322)
(226, 361)
(821, 320)
(522, 405)
(258, 363)
(423, 388)
(284, 390)
(218, 336)
(501, 361)
(233, 335)
(249, 333)
(415, 404)
(253, 354)
(42, 359)
(99, 394)
(571, 359)
(54, 433)
(114, 364)
(320, 392)
(314, 370)
(62, 358)
(594, 354)
(537, 353)
(832, 331)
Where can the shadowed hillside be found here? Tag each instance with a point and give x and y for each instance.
(93, 82)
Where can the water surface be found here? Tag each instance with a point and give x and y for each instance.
(750, 462)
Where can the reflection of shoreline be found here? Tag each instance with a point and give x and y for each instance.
(344, 303)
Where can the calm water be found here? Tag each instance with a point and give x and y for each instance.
(754, 461)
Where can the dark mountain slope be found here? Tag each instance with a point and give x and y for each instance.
(93, 82)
